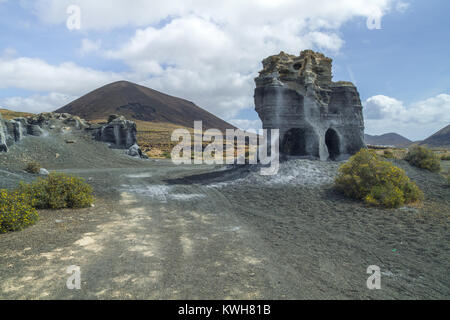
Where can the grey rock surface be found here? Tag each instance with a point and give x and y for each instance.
(119, 132)
(317, 117)
(135, 151)
(43, 172)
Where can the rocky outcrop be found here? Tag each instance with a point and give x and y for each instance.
(316, 116)
(12, 131)
(3, 133)
(119, 132)
(135, 151)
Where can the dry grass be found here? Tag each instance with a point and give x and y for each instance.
(445, 165)
(155, 139)
(8, 114)
(401, 153)
(397, 153)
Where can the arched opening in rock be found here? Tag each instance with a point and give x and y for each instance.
(333, 144)
(300, 142)
(297, 66)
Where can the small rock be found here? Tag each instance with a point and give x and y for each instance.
(43, 172)
(70, 141)
(134, 151)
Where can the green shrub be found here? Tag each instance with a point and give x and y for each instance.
(33, 168)
(445, 158)
(366, 177)
(58, 191)
(16, 211)
(388, 154)
(423, 158)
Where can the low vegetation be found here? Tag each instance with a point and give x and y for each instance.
(33, 168)
(16, 211)
(367, 177)
(58, 191)
(388, 154)
(9, 115)
(423, 158)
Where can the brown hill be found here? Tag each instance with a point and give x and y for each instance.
(439, 139)
(388, 139)
(141, 104)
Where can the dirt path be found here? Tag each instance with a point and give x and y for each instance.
(146, 239)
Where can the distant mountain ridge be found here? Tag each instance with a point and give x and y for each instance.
(439, 139)
(388, 139)
(137, 102)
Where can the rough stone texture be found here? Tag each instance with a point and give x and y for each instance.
(316, 116)
(3, 144)
(43, 172)
(119, 132)
(135, 151)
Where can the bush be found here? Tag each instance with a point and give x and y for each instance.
(16, 211)
(58, 191)
(33, 168)
(445, 158)
(423, 158)
(388, 154)
(366, 177)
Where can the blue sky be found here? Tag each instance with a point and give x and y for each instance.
(210, 54)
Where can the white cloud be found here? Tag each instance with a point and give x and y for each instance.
(37, 75)
(382, 107)
(88, 46)
(110, 14)
(9, 53)
(37, 103)
(213, 61)
(402, 6)
(245, 124)
(208, 54)
(417, 121)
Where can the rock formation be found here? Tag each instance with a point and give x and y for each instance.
(316, 116)
(12, 131)
(119, 132)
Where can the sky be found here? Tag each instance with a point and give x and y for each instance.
(209, 52)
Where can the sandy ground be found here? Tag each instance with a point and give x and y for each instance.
(164, 232)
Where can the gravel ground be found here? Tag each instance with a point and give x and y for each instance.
(159, 231)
